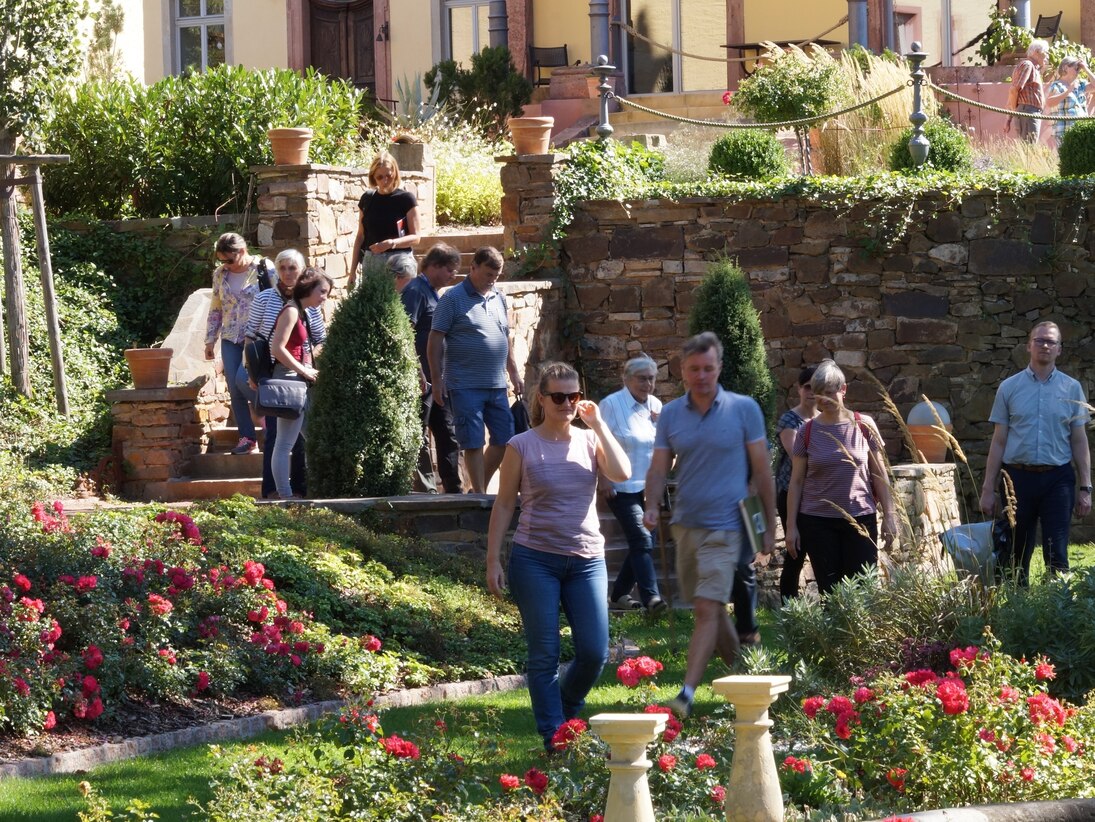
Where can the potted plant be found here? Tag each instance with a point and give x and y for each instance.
(290, 145)
(531, 135)
(149, 367)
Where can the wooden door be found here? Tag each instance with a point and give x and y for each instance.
(341, 40)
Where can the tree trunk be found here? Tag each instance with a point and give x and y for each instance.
(14, 293)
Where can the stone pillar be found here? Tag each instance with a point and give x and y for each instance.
(157, 431)
(627, 736)
(528, 197)
(754, 794)
(929, 498)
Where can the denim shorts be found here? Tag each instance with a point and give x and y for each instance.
(472, 407)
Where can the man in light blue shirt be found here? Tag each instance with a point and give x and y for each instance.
(719, 441)
(1040, 442)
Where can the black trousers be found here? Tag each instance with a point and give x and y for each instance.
(836, 548)
(792, 566)
(438, 420)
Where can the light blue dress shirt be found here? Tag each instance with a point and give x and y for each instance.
(1039, 416)
(633, 425)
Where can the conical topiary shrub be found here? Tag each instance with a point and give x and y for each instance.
(724, 304)
(363, 424)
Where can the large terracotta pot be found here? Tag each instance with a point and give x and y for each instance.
(925, 433)
(531, 135)
(150, 367)
(290, 145)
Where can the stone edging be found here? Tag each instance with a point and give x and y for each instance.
(246, 727)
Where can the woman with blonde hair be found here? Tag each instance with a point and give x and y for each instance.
(557, 556)
(838, 484)
(388, 227)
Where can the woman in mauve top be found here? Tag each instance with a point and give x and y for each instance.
(838, 483)
(557, 557)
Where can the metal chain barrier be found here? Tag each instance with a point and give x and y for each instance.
(1028, 114)
(635, 33)
(803, 121)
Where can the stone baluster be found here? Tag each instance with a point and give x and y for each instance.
(754, 794)
(627, 736)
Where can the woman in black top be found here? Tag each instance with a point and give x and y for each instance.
(389, 222)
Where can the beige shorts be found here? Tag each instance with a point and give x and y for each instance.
(706, 561)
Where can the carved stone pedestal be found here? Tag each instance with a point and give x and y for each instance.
(627, 736)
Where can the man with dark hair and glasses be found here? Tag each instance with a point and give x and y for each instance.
(1040, 442)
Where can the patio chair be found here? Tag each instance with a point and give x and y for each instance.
(1047, 27)
(547, 57)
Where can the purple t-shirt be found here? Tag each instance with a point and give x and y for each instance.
(559, 494)
(830, 472)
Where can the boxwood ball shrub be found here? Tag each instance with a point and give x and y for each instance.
(949, 148)
(1076, 154)
(363, 426)
(750, 153)
(724, 304)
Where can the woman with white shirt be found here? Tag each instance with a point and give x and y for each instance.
(631, 414)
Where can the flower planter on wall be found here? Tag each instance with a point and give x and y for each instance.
(290, 145)
(150, 367)
(531, 135)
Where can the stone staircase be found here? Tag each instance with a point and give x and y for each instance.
(216, 473)
(705, 105)
(466, 241)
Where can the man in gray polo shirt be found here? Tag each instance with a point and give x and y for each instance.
(720, 443)
(1040, 440)
(469, 353)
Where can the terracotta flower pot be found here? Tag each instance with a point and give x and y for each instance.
(150, 367)
(923, 428)
(290, 145)
(531, 135)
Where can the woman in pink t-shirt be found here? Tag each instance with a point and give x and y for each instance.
(838, 483)
(557, 557)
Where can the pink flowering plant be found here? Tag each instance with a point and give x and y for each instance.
(984, 730)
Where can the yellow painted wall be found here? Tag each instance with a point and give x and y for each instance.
(1070, 21)
(154, 59)
(555, 22)
(259, 34)
(769, 20)
(411, 43)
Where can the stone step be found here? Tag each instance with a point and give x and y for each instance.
(188, 488)
(225, 466)
(464, 242)
(225, 439)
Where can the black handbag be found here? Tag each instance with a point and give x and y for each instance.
(257, 359)
(521, 421)
(283, 397)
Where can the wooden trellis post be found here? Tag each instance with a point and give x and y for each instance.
(13, 274)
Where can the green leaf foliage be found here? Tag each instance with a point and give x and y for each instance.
(185, 145)
(39, 52)
(790, 85)
(488, 93)
(1077, 150)
(363, 424)
(724, 304)
(948, 148)
(749, 153)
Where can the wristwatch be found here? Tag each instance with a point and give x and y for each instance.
(1085, 488)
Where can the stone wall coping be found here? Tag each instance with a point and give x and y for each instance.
(1056, 810)
(532, 159)
(524, 286)
(196, 221)
(270, 171)
(408, 503)
(914, 470)
(173, 393)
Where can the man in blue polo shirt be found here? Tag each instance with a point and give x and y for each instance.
(469, 354)
(719, 441)
(419, 297)
(1040, 442)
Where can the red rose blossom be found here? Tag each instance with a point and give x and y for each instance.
(718, 794)
(161, 606)
(813, 704)
(667, 762)
(370, 643)
(509, 782)
(1044, 671)
(567, 733)
(536, 780)
(705, 761)
(21, 582)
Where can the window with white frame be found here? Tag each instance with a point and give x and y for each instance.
(199, 34)
(466, 29)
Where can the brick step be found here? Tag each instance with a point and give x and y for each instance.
(225, 466)
(188, 488)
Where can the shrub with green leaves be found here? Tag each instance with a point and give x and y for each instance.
(948, 148)
(363, 425)
(749, 153)
(488, 93)
(1077, 150)
(185, 144)
(724, 304)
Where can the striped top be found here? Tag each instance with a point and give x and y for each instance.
(264, 316)
(559, 494)
(1028, 79)
(838, 474)
(476, 330)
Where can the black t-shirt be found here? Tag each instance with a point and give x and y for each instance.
(385, 215)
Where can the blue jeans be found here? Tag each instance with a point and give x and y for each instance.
(539, 582)
(232, 358)
(1046, 497)
(638, 567)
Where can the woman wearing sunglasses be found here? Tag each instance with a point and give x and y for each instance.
(557, 557)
